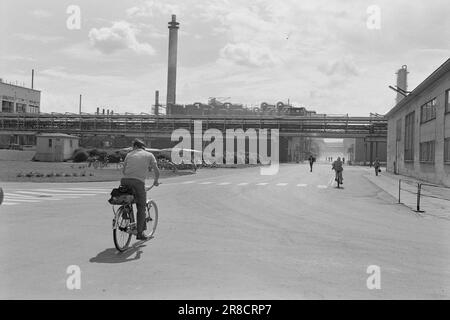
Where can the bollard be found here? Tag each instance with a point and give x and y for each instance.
(419, 189)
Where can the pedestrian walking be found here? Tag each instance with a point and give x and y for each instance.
(311, 160)
(376, 165)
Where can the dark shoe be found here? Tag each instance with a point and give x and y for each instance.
(142, 236)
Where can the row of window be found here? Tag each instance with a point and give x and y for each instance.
(8, 107)
(428, 110)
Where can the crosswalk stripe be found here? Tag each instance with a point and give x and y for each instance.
(282, 184)
(321, 186)
(187, 182)
(25, 197)
(205, 182)
(262, 184)
(8, 203)
(89, 189)
(68, 191)
(21, 200)
(51, 195)
(223, 183)
(301, 185)
(243, 184)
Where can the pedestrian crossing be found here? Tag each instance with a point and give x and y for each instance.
(37, 195)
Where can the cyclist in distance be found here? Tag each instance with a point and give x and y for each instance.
(337, 166)
(135, 170)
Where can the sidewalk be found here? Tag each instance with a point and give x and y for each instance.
(433, 201)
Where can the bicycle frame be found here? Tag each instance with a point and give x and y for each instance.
(116, 211)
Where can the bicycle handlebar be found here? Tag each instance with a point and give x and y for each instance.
(149, 188)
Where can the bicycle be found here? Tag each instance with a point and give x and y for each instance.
(338, 178)
(124, 222)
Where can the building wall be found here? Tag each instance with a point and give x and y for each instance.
(437, 130)
(15, 97)
(60, 149)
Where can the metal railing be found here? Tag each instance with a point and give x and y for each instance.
(420, 193)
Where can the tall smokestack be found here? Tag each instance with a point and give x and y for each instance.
(402, 82)
(156, 102)
(32, 78)
(80, 105)
(172, 66)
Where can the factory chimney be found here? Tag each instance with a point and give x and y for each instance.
(402, 82)
(32, 78)
(156, 102)
(172, 65)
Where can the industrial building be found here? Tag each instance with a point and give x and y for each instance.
(419, 130)
(55, 146)
(18, 99)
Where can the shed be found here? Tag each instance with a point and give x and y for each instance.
(55, 146)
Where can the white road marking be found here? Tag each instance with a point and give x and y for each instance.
(21, 200)
(51, 195)
(8, 203)
(187, 182)
(321, 186)
(68, 191)
(302, 185)
(282, 184)
(261, 184)
(243, 184)
(207, 182)
(223, 183)
(26, 197)
(88, 189)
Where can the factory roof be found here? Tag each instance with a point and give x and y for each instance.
(437, 74)
(57, 135)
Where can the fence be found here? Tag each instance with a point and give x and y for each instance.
(423, 190)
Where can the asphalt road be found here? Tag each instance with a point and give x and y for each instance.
(225, 234)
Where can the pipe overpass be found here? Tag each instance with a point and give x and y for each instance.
(321, 126)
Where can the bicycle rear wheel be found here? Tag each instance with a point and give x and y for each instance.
(151, 218)
(121, 234)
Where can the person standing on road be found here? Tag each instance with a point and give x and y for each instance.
(136, 166)
(311, 160)
(337, 167)
(376, 164)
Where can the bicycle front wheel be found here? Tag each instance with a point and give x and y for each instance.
(121, 234)
(151, 218)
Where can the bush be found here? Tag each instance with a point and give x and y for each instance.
(80, 156)
(114, 158)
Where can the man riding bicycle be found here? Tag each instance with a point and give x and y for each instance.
(337, 166)
(135, 170)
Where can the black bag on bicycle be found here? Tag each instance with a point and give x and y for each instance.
(121, 195)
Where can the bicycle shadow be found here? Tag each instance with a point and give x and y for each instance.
(111, 255)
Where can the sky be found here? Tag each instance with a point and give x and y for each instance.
(334, 57)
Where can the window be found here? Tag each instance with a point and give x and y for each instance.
(447, 150)
(427, 151)
(428, 111)
(7, 106)
(21, 108)
(409, 136)
(399, 129)
(50, 142)
(71, 143)
(447, 100)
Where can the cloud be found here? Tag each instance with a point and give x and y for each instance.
(38, 38)
(41, 14)
(152, 8)
(121, 35)
(344, 67)
(248, 54)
